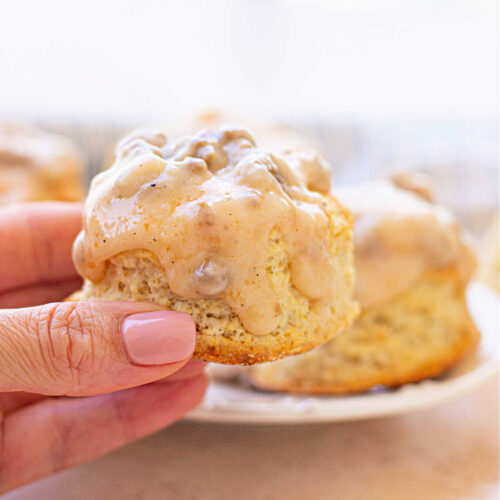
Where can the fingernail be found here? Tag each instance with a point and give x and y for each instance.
(160, 337)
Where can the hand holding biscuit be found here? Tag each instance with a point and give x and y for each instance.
(78, 349)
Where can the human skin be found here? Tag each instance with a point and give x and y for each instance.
(78, 379)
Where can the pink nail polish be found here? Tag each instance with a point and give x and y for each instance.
(160, 337)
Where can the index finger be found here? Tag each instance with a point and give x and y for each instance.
(35, 243)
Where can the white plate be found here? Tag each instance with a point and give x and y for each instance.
(233, 402)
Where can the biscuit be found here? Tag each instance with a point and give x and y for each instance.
(38, 166)
(212, 225)
(412, 267)
(489, 256)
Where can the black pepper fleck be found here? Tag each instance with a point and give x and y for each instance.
(152, 185)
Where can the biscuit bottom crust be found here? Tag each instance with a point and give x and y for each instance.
(137, 276)
(417, 335)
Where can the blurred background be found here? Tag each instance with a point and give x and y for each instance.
(392, 84)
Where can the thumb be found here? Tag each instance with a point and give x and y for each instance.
(86, 348)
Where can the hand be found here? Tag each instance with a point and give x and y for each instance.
(114, 355)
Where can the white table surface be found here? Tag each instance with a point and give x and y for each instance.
(448, 452)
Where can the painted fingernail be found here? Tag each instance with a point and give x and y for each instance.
(159, 337)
